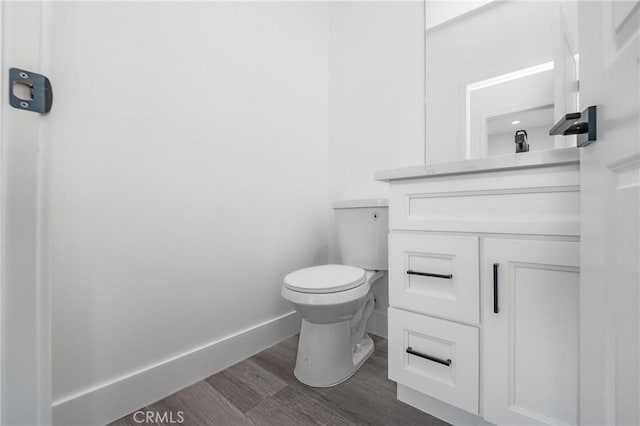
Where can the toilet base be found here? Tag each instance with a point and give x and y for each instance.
(329, 358)
(366, 350)
(363, 352)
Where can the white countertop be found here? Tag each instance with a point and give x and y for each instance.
(552, 157)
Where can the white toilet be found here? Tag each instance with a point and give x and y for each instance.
(335, 301)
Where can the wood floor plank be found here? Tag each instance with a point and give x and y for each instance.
(201, 405)
(289, 407)
(262, 390)
(128, 420)
(370, 399)
(246, 384)
(280, 361)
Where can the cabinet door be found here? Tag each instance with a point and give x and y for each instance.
(530, 315)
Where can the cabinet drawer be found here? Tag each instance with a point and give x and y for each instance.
(537, 200)
(435, 275)
(443, 341)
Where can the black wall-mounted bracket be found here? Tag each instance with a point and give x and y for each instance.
(39, 86)
(582, 124)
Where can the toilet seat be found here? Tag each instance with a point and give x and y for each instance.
(325, 279)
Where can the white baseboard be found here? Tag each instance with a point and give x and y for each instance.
(111, 400)
(378, 323)
(439, 409)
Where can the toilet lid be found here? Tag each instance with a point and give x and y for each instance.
(325, 279)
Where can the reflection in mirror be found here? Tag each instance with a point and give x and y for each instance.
(501, 129)
(492, 63)
(513, 94)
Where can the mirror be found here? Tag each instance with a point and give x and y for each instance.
(500, 134)
(494, 68)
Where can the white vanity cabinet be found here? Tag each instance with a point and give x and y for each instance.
(484, 288)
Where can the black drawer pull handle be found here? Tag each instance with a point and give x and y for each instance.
(446, 362)
(429, 274)
(496, 308)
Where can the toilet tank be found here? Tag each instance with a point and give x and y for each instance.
(362, 228)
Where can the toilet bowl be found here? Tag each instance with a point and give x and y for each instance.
(335, 302)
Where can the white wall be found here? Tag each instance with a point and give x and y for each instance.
(376, 102)
(189, 174)
(190, 167)
(495, 40)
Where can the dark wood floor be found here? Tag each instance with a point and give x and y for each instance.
(262, 390)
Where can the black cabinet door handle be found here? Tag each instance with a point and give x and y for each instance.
(429, 274)
(446, 362)
(496, 309)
